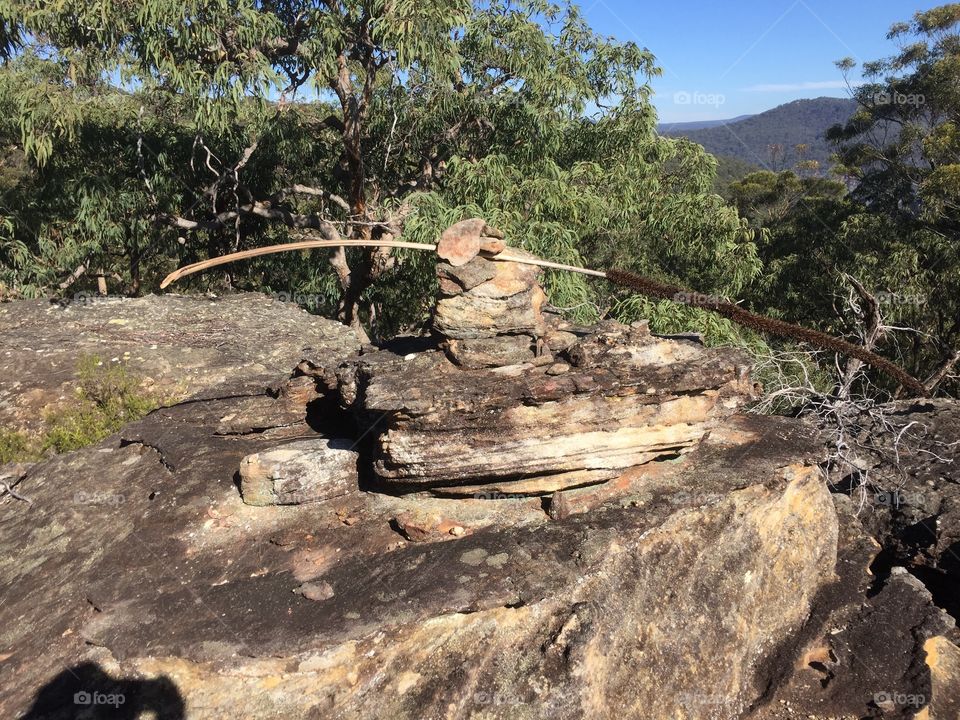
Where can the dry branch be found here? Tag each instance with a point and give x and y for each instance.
(637, 283)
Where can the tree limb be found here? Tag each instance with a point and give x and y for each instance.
(940, 374)
(74, 276)
(259, 209)
(873, 333)
(298, 189)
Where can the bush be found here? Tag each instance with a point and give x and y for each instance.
(15, 447)
(108, 397)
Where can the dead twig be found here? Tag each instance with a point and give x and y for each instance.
(8, 490)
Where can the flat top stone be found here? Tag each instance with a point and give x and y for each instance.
(179, 345)
(154, 536)
(460, 242)
(420, 384)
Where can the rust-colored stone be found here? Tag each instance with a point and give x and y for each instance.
(460, 242)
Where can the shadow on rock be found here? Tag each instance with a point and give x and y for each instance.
(86, 691)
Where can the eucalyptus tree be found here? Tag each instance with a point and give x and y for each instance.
(902, 148)
(229, 123)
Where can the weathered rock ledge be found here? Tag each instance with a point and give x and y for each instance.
(177, 346)
(624, 398)
(514, 518)
(153, 569)
(510, 400)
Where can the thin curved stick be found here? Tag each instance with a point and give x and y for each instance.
(285, 247)
(313, 244)
(637, 283)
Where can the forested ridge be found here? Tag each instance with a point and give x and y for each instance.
(140, 137)
(780, 138)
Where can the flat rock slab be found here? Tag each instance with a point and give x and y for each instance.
(179, 346)
(624, 398)
(138, 567)
(304, 471)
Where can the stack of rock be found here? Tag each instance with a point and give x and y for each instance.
(518, 402)
(489, 312)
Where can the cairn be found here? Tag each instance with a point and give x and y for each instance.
(517, 401)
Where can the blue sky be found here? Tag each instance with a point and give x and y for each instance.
(724, 58)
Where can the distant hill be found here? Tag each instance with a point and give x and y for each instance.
(684, 127)
(749, 139)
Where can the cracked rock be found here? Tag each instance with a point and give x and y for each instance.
(299, 472)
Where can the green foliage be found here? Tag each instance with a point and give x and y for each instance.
(159, 133)
(902, 149)
(139, 137)
(16, 447)
(729, 171)
(799, 230)
(107, 397)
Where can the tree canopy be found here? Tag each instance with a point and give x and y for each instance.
(902, 151)
(884, 242)
(154, 133)
(137, 137)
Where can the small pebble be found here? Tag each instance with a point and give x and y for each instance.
(315, 590)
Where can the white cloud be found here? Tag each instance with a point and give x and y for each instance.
(793, 87)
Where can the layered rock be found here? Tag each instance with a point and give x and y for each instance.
(717, 583)
(188, 600)
(485, 298)
(515, 401)
(621, 398)
(300, 472)
(177, 346)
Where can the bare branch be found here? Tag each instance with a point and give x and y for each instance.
(74, 276)
(245, 156)
(298, 189)
(942, 372)
(8, 490)
(873, 331)
(259, 209)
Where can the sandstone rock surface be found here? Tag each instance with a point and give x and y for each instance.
(140, 560)
(598, 531)
(485, 298)
(300, 472)
(882, 640)
(179, 346)
(624, 399)
(870, 647)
